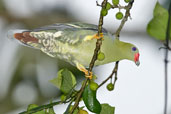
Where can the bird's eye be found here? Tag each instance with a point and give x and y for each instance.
(134, 48)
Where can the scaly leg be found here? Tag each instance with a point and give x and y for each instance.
(83, 69)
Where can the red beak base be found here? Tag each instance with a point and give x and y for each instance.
(136, 59)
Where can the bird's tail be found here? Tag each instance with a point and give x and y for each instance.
(22, 36)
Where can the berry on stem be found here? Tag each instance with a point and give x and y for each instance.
(108, 6)
(101, 56)
(110, 86)
(115, 2)
(104, 12)
(119, 15)
(93, 86)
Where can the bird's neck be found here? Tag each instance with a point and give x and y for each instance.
(112, 52)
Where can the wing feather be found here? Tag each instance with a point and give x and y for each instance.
(72, 26)
(71, 33)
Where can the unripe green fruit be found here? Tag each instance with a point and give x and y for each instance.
(108, 6)
(115, 2)
(119, 15)
(93, 86)
(83, 111)
(127, 1)
(63, 97)
(104, 12)
(101, 56)
(110, 86)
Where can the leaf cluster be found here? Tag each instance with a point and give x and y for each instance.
(157, 27)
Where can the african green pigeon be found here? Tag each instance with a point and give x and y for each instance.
(74, 43)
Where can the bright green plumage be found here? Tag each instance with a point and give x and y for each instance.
(69, 42)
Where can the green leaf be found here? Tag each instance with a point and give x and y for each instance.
(58, 80)
(158, 25)
(65, 81)
(32, 106)
(68, 81)
(107, 109)
(90, 101)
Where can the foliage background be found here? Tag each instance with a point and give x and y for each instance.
(24, 72)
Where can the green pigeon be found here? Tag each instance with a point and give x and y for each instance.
(75, 43)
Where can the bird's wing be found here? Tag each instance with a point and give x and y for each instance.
(72, 26)
(70, 33)
(51, 39)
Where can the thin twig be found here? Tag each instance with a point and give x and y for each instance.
(111, 75)
(116, 72)
(166, 61)
(42, 107)
(168, 48)
(167, 44)
(94, 58)
(127, 14)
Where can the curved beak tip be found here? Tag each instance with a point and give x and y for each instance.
(137, 63)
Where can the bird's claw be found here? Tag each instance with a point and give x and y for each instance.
(83, 69)
(96, 36)
(89, 75)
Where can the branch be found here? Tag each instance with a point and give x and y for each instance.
(166, 60)
(111, 75)
(42, 107)
(127, 14)
(117, 34)
(94, 58)
(79, 96)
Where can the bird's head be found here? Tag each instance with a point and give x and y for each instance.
(133, 53)
(130, 52)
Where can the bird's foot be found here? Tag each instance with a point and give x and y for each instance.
(96, 36)
(83, 69)
(90, 76)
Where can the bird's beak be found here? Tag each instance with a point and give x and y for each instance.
(137, 63)
(136, 59)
